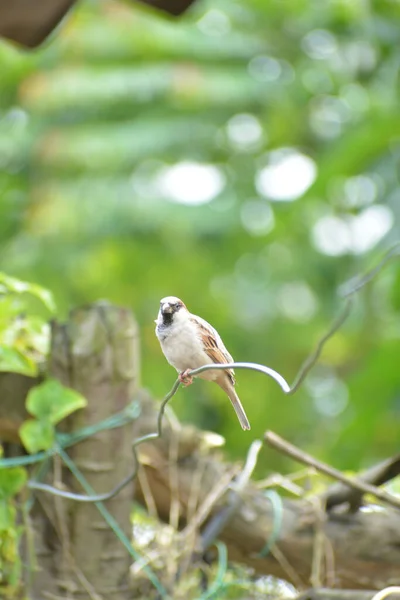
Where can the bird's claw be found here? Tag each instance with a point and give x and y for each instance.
(185, 378)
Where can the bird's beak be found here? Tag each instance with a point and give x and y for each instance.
(166, 308)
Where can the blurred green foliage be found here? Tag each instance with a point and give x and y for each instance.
(244, 158)
(24, 328)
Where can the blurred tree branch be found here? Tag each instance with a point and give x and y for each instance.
(29, 23)
(362, 485)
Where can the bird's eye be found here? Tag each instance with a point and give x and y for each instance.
(177, 304)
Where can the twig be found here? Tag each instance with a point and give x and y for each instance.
(286, 482)
(377, 475)
(147, 494)
(314, 356)
(219, 521)
(251, 463)
(214, 495)
(393, 252)
(318, 555)
(285, 447)
(287, 567)
(190, 537)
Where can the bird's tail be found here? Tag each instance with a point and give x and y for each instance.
(237, 405)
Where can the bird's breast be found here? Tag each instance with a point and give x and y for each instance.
(182, 346)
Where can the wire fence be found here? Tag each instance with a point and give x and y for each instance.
(132, 412)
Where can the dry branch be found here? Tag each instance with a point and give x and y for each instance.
(339, 493)
(355, 483)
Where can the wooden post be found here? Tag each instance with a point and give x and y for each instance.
(96, 352)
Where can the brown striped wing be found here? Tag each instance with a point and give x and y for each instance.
(213, 345)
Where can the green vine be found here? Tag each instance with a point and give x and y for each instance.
(24, 345)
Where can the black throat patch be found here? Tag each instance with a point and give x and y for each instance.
(167, 319)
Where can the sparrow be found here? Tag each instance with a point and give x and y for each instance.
(189, 342)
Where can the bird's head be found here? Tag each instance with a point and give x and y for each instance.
(169, 307)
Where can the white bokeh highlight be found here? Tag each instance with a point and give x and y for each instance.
(214, 23)
(190, 183)
(352, 234)
(296, 301)
(287, 175)
(244, 131)
(330, 394)
(257, 217)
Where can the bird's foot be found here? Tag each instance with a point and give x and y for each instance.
(185, 378)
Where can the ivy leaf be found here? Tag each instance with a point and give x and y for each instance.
(16, 286)
(51, 401)
(7, 516)
(16, 361)
(37, 435)
(11, 481)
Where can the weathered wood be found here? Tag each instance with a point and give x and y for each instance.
(95, 352)
(362, 549)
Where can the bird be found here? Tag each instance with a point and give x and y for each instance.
(189, 342)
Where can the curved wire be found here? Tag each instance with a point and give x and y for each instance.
(281, 381)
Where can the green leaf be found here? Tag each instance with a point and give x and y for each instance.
(7, 516)
(17, 286)
(11, 481)
(13, 360)
(51, 401)
(37, 435)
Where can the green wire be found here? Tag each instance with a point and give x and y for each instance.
(131, 412)
(21, 461)
(222, 568)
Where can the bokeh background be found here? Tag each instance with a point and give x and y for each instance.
(245, 158)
